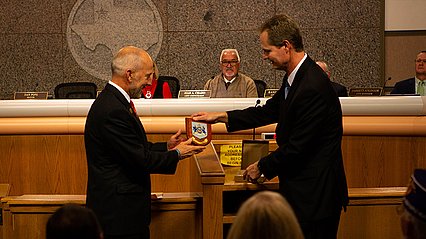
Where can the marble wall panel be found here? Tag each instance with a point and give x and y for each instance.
(348, 34)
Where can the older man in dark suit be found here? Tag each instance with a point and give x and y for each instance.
(340, 90)
(417, 84)
(308, 160)
(119, 156)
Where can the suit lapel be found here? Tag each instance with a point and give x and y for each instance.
(120, 97)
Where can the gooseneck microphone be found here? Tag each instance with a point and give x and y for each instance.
(254, 129)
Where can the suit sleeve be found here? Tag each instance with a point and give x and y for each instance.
(304, 136)
(121, 134)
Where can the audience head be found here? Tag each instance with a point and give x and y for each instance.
(229, 63)
(421, 65)
(324, 67)
(413, 218)
(156, 73)
(73, 221)
(132, 70)
(265, 215)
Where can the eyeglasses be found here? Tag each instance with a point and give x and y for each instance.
(233, 63)
(420, 61)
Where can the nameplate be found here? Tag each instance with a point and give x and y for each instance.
(230, 154)
(194, 94)
(374, 91)
(200, 132)
(270, 92)
(30, 95)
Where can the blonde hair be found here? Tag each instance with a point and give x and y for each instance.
(267, 214)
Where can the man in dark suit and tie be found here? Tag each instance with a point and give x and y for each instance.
(417, 84)
(120, 158)
(308, 161)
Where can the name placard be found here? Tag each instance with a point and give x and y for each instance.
(270, 92)
(30, 95)
(373, 91)
(194, 94)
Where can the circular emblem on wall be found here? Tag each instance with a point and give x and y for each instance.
(97, 29)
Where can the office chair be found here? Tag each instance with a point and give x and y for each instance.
(173, 84)
(76, 90)
(260, 86)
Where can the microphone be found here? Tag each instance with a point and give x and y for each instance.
(384, 85)
(254, 129)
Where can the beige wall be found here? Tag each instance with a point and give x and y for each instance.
(401, 49)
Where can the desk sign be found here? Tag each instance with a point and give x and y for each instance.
(270, 92)
(30, 96)
(200, 132)
(194, 94)
(374, 91)
(230, 154)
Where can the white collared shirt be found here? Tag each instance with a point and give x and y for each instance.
(293, 73)
(230, 81)
(121, 90)
(417, 85)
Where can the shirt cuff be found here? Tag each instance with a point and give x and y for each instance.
(178, 153)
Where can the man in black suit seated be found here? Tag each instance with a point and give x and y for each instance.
(417, 84)
(119, 156)
(341, 90)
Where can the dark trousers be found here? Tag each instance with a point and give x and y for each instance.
(321, 229)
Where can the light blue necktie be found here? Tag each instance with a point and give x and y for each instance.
(286, 89)
(421, 88)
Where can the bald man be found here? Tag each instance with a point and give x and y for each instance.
(120, 158)
(340, 90)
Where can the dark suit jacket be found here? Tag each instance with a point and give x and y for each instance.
(407, 86)
(308, 161)
(340, 90)
(120, 160)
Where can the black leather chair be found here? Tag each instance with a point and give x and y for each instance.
(174, 84)
(76, 90)
(260, 86)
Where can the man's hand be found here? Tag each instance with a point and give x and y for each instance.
(212, 117)
(252, 173)
(175, 140)
(186, 149)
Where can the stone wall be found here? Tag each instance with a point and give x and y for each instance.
(44, 43)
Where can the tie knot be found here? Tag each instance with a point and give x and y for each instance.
(227, 84)
(421, 83)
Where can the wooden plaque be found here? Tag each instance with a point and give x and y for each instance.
(30, 95)
(200, 132)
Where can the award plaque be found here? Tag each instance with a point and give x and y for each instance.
(200, 132)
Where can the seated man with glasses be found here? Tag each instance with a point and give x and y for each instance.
(230, 83)
(415, 85)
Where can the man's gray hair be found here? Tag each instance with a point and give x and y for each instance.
(229, 50)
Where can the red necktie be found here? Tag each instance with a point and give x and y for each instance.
(133, 108)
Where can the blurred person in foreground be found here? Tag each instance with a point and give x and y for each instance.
(230, 83)
(413, 216)
(265, 215)
(119, 156)
(308, 160)
(73, 221)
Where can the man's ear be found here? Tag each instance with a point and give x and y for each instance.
(129, 75)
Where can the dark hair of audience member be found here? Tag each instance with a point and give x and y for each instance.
(73, 221)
